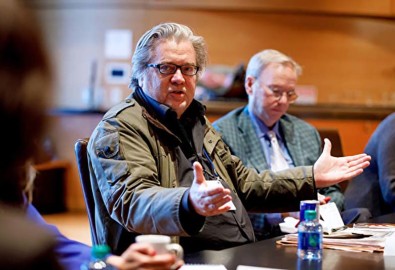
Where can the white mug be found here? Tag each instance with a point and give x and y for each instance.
(162, 244)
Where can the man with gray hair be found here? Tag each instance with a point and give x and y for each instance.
(151, 156)
(249, 131)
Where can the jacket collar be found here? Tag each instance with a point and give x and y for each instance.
(163, 117)
(164, 113)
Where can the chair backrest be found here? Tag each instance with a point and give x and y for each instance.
(337, 150)
(333, 135)
(81, 154)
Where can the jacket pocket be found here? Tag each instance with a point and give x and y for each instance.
(110, 157)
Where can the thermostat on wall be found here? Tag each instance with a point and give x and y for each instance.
(117, 73)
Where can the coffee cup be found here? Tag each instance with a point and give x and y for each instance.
(162, 244)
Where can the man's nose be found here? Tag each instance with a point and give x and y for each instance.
(178, 76)
(283, 98)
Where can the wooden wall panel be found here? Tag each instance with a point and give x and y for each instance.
(350, 7)
(354, 133)
(351, 60)
(347, 59)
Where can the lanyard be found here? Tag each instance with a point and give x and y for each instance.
(210, 162)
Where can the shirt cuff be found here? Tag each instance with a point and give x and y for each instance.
(314, 187)
(191, 221)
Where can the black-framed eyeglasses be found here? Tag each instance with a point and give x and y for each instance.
(167, 69)
(278, 94)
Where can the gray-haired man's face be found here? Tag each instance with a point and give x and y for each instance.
(175, 90)
(262, 101)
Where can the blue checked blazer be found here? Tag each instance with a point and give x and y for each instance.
(301, 139)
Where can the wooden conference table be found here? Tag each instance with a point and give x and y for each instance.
(267, 254)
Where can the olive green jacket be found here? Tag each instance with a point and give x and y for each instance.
(133, 173)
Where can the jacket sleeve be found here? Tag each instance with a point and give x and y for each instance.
(385, 161)
(274, 192)
(264, 192)
(124, 161)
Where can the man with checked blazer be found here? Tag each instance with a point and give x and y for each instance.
(270, 84)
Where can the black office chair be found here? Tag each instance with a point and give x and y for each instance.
(333, 135)
(80, 149)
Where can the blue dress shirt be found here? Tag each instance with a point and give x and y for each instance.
(71, 254)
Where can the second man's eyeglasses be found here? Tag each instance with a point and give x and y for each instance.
(278, 94)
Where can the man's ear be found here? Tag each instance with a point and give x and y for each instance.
(249, 81)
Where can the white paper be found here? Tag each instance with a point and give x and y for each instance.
(331, 215)
(118, 44)
(217, 183)
(389, 262)
(203, 267)
(289, 225)
(389, 246)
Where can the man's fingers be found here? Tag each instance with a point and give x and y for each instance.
(362, 159)
(327, 147)
(213, 209)
(350, 175)
(358, 165)
(358, 162)
(115, 261)
(198, 173)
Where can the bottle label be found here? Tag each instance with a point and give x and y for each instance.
(309, 240)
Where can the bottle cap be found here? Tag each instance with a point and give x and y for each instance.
(310, 214)
(100, 251)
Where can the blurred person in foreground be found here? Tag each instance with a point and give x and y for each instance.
(25, 81)
(270, 83)
(151, 155)
(375, 187)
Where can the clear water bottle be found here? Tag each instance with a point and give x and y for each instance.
(98, 259)
(309, 264)
(310, 237)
